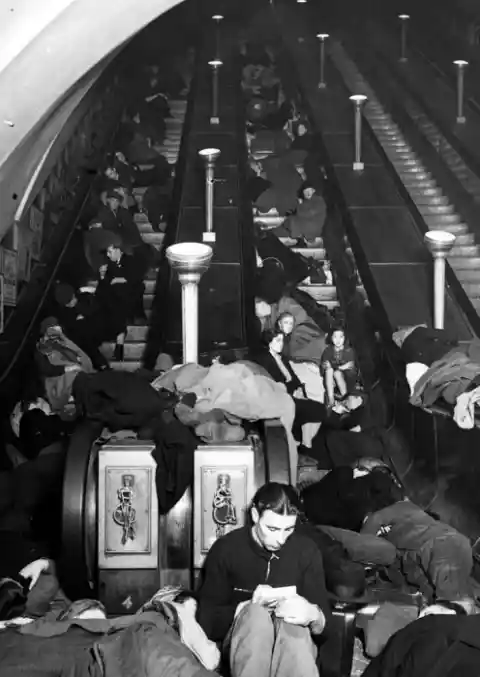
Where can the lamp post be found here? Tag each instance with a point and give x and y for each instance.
(190, 260)
(215, 65)
(461, 65)
(321, 81)
(403, 36)
(210, 155)
(358, 101)
(439, 244)
(217, 18)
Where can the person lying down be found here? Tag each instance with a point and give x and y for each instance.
(440, 368)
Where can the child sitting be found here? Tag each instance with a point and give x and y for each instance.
(338, 365)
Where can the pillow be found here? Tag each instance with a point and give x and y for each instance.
(414, 371)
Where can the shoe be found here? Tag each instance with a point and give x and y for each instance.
(317, 275)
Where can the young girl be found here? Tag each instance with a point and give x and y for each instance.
(338, 365)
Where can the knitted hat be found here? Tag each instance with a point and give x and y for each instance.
(47, 323)
(64, 293)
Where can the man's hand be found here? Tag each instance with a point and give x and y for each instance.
(298, 611)
(260, 593)
(347, 366)
(33, 571)
(118, 280)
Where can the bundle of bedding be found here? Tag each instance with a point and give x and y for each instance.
(440, 368)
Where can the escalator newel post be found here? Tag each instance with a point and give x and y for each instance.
(439, 244)
(358, 101)
(217, 19)
(210, 155)
(321, 81)
(461, 65)
(215, 65)
(190, 260)
(403, 36)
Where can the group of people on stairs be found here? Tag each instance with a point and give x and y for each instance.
(90, 307)
(348, 536)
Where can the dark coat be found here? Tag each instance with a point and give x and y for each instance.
(124, 400)
(122, 223)
(339, 500)
(434, 646)
(267, 361)
(120, 302)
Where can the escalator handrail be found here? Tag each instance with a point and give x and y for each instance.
(246, 216)
(156, 337)
(45, 293)
(49, 282)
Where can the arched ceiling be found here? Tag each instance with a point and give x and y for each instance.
(51, 54)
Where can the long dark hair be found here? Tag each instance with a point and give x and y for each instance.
(269, 334)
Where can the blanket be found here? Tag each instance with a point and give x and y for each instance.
(447, 378)
(240, 389)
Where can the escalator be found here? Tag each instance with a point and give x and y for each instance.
(178, 530)
(136, 337)
(447, 196)
(271, 451)
(435, 459)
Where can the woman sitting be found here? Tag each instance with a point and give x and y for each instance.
(280, 369)
(272, 359)
(59, 361)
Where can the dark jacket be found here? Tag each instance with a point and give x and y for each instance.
(339, 500)
(120, 302)
(341, 574)
(267, 361)
(435, 646)
(237, 561)
(427, 345)
(122, 223)
(295, 268)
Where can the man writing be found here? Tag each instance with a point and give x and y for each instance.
(266, 629)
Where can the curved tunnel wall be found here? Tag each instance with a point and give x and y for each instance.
(51, 54)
